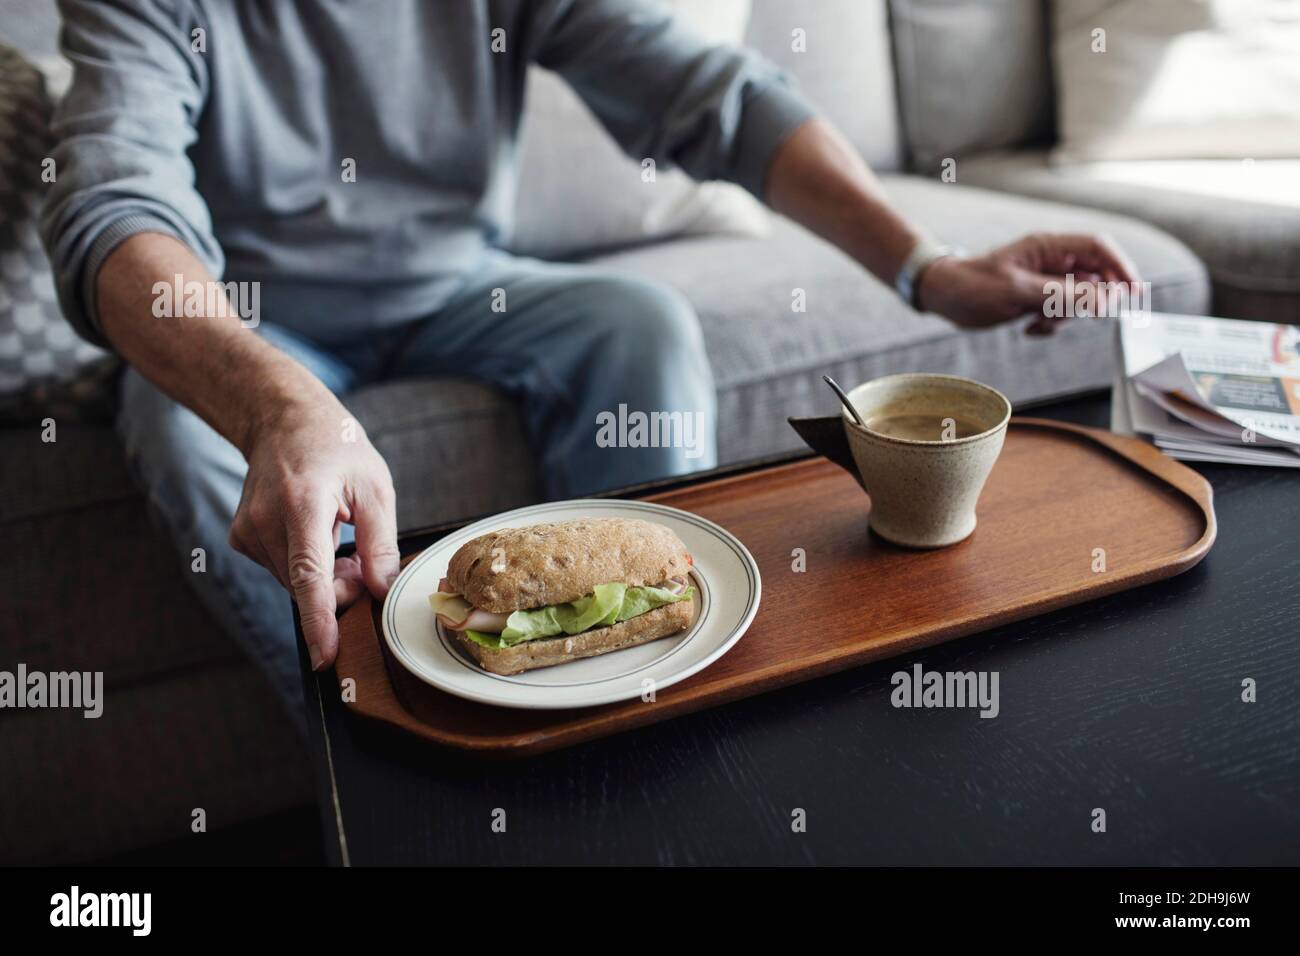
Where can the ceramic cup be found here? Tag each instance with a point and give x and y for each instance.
(929, 444)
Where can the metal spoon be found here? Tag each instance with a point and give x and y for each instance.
(844, 399)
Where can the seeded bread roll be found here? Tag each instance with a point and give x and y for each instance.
(548, 651)
(520, 568)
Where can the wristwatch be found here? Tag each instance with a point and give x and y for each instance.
(922, 255)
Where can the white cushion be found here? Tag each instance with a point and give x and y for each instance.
(1177, 79)
(578, 191)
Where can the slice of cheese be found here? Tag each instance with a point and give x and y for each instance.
(455, 607)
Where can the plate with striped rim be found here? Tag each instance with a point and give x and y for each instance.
(727, 591)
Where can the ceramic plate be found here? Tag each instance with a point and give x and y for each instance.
(727, 591)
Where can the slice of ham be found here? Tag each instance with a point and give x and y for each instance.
(478, 620)
(457, 614)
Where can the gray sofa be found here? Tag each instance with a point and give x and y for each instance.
(88, 583)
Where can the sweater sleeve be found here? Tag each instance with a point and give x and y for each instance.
(122, 133)
(663, 92)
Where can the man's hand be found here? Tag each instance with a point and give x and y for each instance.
(310, 469)
(1015, 280)
(310, 466)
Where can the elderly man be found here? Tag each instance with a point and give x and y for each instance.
(354, 160)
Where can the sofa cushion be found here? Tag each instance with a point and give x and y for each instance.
(422, 428)
(844, 66)
(768, 359)
(1241, 219)
(972, 75)
(558, 213)
(1168, 79)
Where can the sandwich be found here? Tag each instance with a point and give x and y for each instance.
(523, 598)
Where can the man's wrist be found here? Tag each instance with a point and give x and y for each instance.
(276, 408)
(923, 255)
(935, 284)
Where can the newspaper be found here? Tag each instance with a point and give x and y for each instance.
(1208, 389)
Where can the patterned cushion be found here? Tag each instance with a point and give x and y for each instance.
(45, 369)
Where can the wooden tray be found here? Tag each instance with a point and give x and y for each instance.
(1057, 493)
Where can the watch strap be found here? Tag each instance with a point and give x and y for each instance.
(922, 255)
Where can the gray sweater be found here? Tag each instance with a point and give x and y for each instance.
(238, 149)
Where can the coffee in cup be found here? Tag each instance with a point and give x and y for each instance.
(926, 449)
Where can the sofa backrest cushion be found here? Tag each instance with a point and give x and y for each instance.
(844, 66)
(973, 75)
(578, 192)
(1168, 79)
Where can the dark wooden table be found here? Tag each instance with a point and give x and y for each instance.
(1132, 704)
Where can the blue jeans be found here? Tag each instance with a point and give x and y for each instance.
(569, 343)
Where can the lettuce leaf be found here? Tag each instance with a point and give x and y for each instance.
(597, 609)
(638, 601)
(607, 604)
(487, 640)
